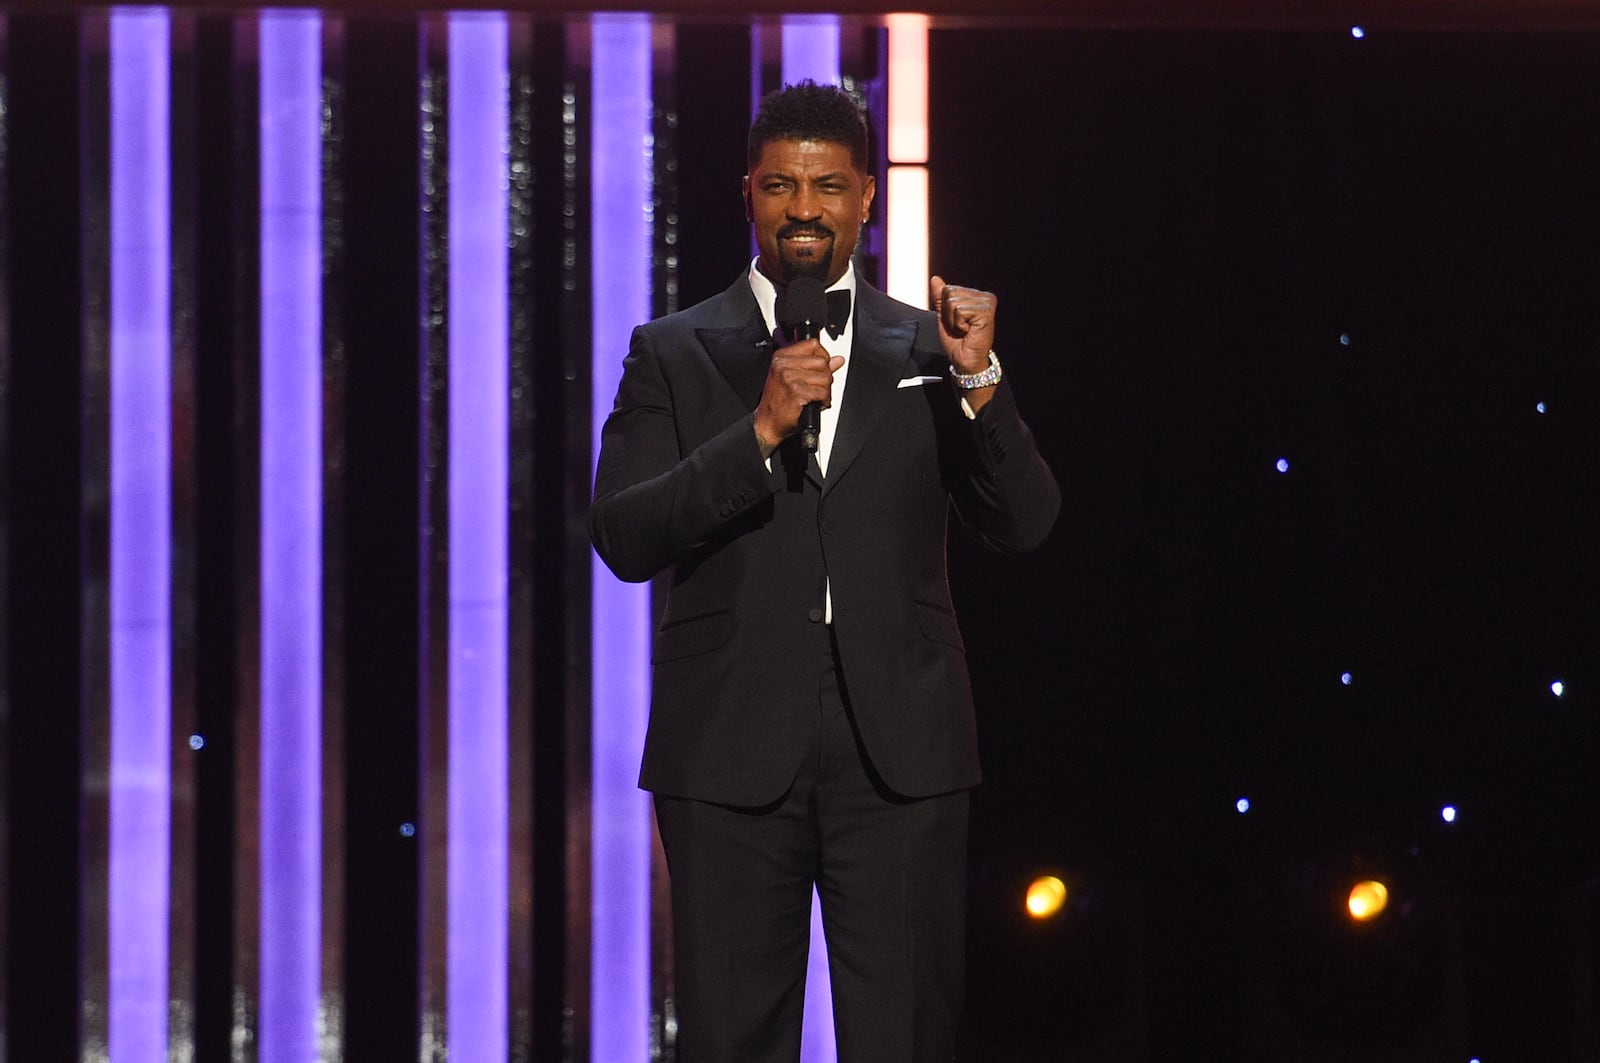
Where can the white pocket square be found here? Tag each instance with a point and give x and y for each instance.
(916, 381)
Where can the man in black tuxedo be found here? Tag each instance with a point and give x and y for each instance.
(812, 720)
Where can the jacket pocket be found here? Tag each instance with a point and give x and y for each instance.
(692, 635)
(939, 624)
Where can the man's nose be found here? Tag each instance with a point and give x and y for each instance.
(805, 206)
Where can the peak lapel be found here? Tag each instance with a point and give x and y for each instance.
(742, 355)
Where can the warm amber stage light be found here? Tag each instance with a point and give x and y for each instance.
(1046, 895)
(1368, 900)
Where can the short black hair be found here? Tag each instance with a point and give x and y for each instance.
(808, 111)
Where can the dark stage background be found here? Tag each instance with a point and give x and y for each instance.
(1373, 258)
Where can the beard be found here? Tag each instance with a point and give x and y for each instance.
(817, 266)
(813, 264)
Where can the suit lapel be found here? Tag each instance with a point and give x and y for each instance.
(879, 350)
(742, 356)
(739, 346)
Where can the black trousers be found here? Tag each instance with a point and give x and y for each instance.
(891, 876)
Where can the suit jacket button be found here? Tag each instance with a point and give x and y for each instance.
(827, 527)
(815, 616)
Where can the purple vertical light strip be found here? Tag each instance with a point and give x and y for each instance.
(479, 449)
(816, 1041)
(811, 49)
(141, 535)
(811, 52)
(620, 647)
(291, 534)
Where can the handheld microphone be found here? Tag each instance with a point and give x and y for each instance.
(802, 314)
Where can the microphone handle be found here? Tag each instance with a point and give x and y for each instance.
(810, 426)
(811, 413)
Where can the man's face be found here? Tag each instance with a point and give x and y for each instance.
(807, 201)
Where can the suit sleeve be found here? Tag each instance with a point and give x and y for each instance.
(652, 501)
(1004, 493)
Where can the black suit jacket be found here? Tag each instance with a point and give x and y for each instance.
(681, 487)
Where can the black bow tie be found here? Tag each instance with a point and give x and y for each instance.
(838, 312)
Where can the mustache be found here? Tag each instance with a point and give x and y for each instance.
(805, 229)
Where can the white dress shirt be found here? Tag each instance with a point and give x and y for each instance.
(767, 298)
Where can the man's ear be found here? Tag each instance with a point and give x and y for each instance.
(869, 192)
(744, 190)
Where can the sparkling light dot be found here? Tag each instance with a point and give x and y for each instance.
(1046, 895)
(1283, 465)
(1558, 688)
(1357, 32)
(1346, 678)
(1243, 805)
(1539, 406)
(197, 741)
(408, 830)
(1368, 900)
(1448, 813)
(1344, 339)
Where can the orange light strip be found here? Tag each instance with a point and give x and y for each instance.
(907, 179)
(908, 88)
(907, 234)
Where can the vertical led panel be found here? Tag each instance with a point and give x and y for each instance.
(906, 187)
(907, 233)
(528, 863)
(434, 531)
(291, 534)
(817, 1042)
(811, 49)
(479, 453)
(908, 88)
(620, 131)
(811, 53)
(141, 534)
